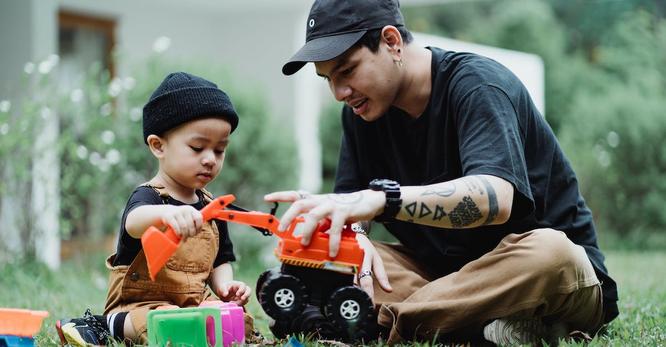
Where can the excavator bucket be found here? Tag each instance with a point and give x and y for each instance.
(158, 247)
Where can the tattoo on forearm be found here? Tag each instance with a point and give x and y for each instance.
(493, 207)
(346, 199)
(445, 190)
(439, 213)
(425, 210)
(472, 186)
(465, 213)
(411, 209)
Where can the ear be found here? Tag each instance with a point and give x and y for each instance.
(156, 145)
(393, 40)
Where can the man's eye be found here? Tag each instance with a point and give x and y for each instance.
(196, 149)
(347, 71)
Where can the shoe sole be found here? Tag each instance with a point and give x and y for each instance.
(58, 326)
(71, 336)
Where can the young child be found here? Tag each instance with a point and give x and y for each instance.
(186, 124)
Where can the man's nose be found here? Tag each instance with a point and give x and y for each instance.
(341, 91)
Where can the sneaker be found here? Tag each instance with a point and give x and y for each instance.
(511, 332)
(82, 332)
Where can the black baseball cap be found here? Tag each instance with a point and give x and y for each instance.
(334, 26)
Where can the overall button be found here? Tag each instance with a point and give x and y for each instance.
(134, 276)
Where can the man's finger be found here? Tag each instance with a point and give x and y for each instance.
(380, 272)
(297, 208)
(311, 220)
(335, 234)
(307, 228)
(367, 284)
(282, 196)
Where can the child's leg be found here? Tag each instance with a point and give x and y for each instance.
(128, 329)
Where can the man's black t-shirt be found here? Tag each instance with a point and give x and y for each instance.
(129, 247)
(480, 119)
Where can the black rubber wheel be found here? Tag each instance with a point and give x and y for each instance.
(283, 297)
(261, 280)
(351, 310)
(279, 329)
(312, 322)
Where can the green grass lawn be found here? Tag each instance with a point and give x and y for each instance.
(81, 283)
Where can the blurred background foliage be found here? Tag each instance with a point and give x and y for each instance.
(605, 66)
(101, 149)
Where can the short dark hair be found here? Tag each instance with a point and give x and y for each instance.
(372, 37)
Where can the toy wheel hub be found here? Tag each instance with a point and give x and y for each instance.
(350, 309)
(284, 298)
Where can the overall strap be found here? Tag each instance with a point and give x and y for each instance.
(207, 196)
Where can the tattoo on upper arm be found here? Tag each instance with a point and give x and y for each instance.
(347, 198)
(493, 206)
(465, 213)
(445, 190)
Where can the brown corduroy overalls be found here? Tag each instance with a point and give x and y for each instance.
(182, 282)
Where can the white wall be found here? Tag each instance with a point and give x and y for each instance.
(246, 37)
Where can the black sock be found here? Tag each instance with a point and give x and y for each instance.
(116, 324)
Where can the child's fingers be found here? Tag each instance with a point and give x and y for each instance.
(224, 291)
(172, 222)
(186, 226)
(246, 293)
(197, 218)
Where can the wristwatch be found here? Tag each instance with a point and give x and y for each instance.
(393, 200)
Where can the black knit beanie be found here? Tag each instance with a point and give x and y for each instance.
(181, 98)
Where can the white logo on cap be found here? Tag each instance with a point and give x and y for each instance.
(311, 22)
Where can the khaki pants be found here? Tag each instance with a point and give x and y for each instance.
(538, 274)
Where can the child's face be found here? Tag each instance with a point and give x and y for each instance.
(193, 153)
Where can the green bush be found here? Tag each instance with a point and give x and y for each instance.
(615, 133)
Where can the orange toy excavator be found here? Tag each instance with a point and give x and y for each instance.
(159, 246)
(308, 279)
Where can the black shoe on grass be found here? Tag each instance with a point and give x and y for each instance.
(82, 332)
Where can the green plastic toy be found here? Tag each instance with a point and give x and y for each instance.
(194, 326)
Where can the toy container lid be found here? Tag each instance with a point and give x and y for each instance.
(20, 322)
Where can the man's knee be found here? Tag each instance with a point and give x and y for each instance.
(551, 252)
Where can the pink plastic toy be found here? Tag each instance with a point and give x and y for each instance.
(233, 322)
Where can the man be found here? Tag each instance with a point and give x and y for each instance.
(495, 236)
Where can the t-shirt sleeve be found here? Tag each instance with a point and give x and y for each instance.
(140, 197)
(490, 142)
(346, 175)
(225, 253)
(128, 247)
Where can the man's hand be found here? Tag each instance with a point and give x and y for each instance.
(234, 291)
(339, 208)
(372, 266)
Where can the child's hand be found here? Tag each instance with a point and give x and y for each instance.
(234, 291)
(185, 220)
